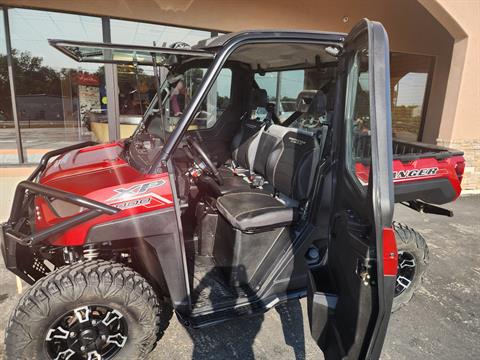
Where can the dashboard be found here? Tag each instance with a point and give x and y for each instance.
(141, 150)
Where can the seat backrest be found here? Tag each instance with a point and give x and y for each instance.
(292, 161)
(262, 147)
(309, 104)
(249, 127)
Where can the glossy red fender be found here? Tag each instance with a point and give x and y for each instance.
(423, 169)
(99, 173)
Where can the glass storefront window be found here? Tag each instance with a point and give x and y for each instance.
(56, 96)
(136, 83)
(409, 79)
(8, 145)
(59, 101)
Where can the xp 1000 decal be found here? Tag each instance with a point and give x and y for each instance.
(134, 190)
(139, 195)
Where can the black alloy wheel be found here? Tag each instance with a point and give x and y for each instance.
(88, 310)
(405, 272)
(412, 263)
(89, 332)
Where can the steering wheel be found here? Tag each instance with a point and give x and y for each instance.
(193, 144)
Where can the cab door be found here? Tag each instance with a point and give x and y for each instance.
(350, 294)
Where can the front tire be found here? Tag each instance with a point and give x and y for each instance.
(87, 310)
(412, 263)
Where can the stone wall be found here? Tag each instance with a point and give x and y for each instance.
(471, 148)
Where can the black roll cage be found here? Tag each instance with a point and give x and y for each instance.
(212, 73)
(29, 187)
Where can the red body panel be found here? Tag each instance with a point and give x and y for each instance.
(423, 169)
(390, 253)
(99, 173)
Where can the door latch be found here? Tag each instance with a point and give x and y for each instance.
(366, 271)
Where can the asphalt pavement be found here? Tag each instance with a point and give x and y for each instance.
(441, 322)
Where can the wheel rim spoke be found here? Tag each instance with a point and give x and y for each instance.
(94, 355)
(82, 313)
(111, 316)
(65, 355)
(407, 263)
(405, 271)
(117, 339)
(61, 334)
(403, 282)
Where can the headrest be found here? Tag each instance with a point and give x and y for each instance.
(304, 99)
(259, 98)
(313, 102)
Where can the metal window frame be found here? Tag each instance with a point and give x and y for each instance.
(11, 77)
(111, 87)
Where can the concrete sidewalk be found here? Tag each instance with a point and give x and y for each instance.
(441, 322)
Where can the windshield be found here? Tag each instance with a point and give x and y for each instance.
(177, 90)
(180, 81)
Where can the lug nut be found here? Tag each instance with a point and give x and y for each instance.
(82, 348)
(104, 337)
(72, 334)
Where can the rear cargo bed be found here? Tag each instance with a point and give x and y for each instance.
(420, 171)
(410, 151)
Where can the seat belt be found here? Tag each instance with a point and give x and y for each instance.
(292, 118)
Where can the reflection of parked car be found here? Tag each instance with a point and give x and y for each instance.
(42, 107)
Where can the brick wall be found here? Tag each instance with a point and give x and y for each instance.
(471, 148)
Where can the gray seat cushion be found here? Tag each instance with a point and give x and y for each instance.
(254, 210)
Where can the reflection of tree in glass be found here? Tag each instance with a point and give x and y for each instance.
(32, 77)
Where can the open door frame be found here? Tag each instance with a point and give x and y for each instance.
(350, 295)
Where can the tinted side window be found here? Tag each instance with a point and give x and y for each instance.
(282, 88)
(217, 100)
(357, 117)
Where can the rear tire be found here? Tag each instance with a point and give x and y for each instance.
(99, 300)
(412, 263)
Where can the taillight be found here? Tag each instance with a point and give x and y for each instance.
(390, 253)
(459, 169)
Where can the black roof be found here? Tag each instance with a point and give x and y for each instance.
(222, 40)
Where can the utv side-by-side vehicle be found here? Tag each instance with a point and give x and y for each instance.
(217, 207)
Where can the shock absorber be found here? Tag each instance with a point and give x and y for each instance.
(69, 255)
(90, 253)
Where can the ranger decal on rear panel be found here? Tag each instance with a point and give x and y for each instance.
(404, 174)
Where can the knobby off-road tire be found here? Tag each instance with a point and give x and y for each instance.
(413, 251)
(92, 283)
